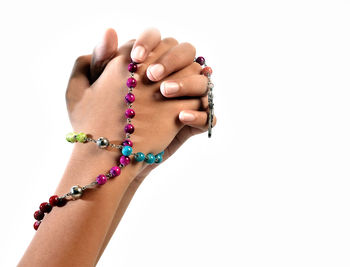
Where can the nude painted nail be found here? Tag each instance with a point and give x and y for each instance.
(155, 72)
(138, 53)
(186, 116)
(169, 88)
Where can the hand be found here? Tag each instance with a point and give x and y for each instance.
(190, 86)
(194, 121)
(98, 109)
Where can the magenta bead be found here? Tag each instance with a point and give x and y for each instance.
(101, 179)
(200, 60)
(130, 113)
(129, 98)
(129, 128)
(124, 160)
(131, 82)
(127, 142)
(115, 171)
(132, 67)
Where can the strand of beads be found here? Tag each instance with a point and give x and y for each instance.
(207, 71)
(77, 191)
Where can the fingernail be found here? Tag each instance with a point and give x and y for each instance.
(138, 53)
(100, 48)
(186, 116)
(155, 72)
(169, 88)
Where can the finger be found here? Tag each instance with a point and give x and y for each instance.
(103, 53)
(196, 119)
(194, 85)
(79, 79)
(175, 59)
(146, 42)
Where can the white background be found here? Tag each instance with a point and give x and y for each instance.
(271, 188)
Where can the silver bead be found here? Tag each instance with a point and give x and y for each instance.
(210, 85)
(102, 142)
(76, 192)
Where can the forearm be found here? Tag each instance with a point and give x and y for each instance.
(76, 232)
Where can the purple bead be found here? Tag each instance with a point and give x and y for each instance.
(101, 179)
(115, 171)
(130, 113)
(200, 60)
(129, 98)
(129, 128)
(131, 82)
(132, 67)
(124, 160)
(127, 142)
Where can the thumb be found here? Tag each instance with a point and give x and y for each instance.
(105, 51)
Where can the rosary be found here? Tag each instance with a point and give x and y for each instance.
(126, 147)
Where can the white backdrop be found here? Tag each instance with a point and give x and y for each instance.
(271, 188)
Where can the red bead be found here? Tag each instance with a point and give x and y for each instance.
(61, 202)
(53, 200)
(36, 225)
(207, 71)
(39, 215)
(45, 207)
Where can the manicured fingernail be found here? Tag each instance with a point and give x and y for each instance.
(155, 72)
(169, 88)
(100, 48)
(186, 116)
(138, 53)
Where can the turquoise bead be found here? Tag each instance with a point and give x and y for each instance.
(159, 158)
(162, 153)
(139, 156)
(150, 158)
(127, 150)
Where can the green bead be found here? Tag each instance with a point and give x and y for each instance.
(150, 158)
(159, 158)
(71, 137)
(81, 137)
(139, 156)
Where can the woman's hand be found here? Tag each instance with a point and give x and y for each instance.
(192, 121)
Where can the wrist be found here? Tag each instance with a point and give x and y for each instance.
(94, 161)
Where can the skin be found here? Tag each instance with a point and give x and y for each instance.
(95, 93)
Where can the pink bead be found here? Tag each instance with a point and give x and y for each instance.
(130, 98)
(124, 160)
(130, 113)
(115, 171)
(131, 82)
(101, 179)
(129, 128)
(132, 67)
(127, 142)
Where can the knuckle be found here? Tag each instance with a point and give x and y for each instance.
(79, 60)
(171, 41)
(188, 46)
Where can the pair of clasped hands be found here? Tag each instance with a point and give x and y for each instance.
(171, 102)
